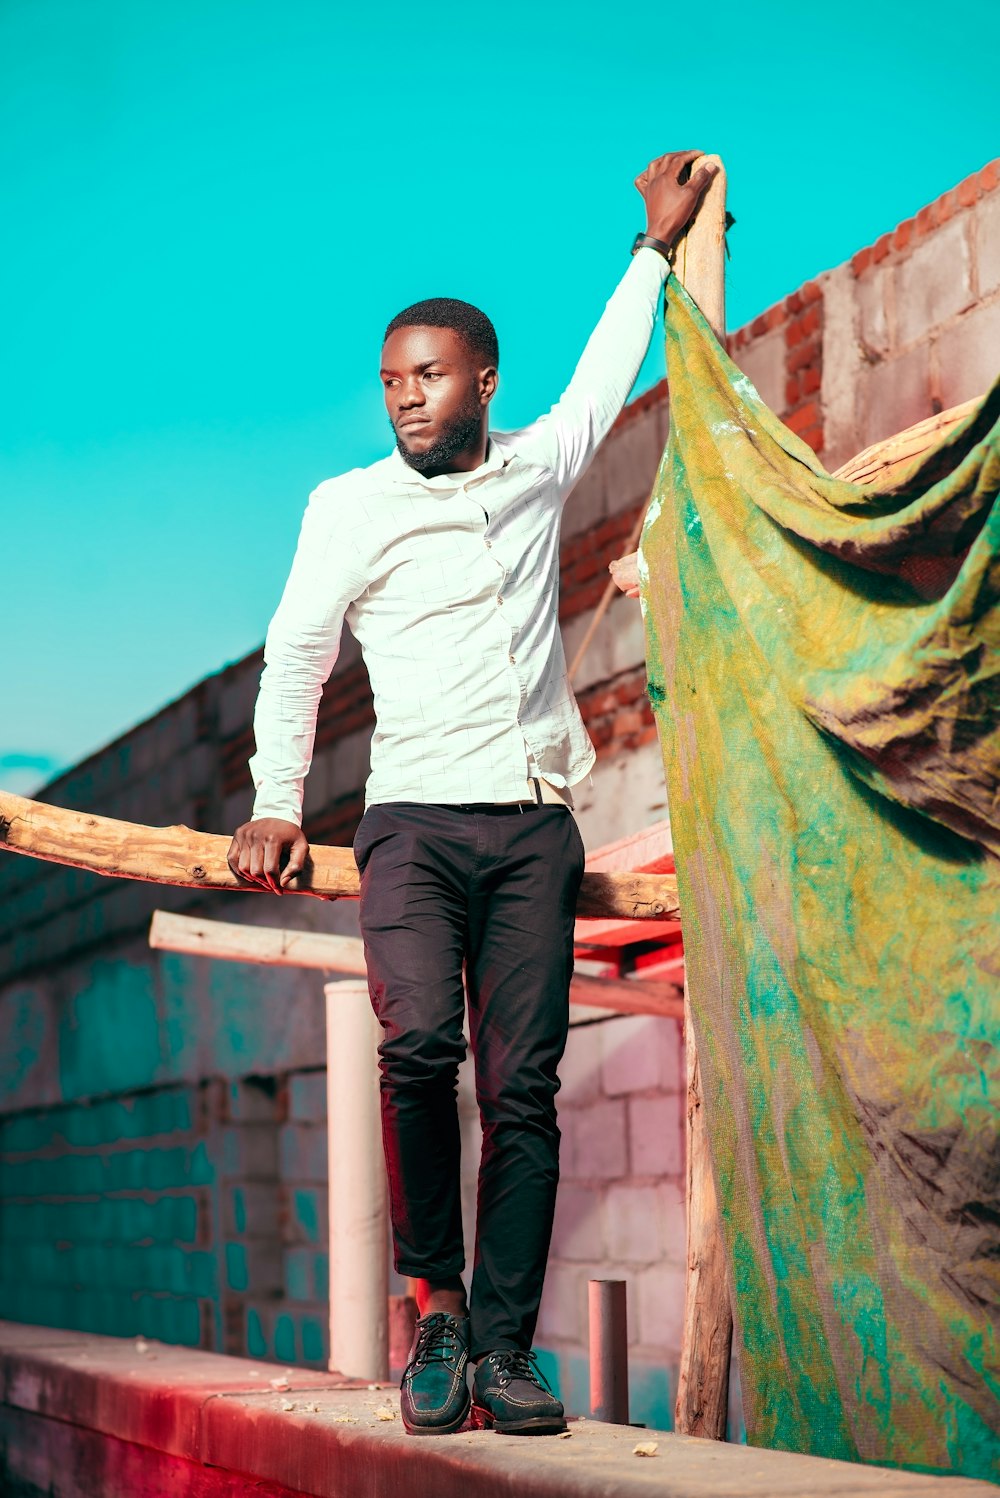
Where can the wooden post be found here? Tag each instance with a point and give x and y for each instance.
(703, 1385)
(707, 1338)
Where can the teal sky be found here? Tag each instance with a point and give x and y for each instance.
(213, 208)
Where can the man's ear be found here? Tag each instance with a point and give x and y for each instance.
(489, 379)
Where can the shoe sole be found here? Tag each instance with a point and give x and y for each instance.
(538, 1425)
(436, 1430)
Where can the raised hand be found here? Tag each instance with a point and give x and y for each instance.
(671, 203)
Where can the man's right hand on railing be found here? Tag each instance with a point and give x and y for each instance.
(269, 852)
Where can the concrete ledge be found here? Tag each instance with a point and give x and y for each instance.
(84, 1416)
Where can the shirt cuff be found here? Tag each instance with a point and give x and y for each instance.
(286, 809)
(652, 266)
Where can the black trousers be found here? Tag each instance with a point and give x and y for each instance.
(493, 888)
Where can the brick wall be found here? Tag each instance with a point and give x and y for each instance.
(162, 1117)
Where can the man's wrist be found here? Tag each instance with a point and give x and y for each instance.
(662, 245)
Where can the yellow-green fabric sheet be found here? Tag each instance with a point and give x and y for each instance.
(824, 662)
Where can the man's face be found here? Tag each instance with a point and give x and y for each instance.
(435, 394)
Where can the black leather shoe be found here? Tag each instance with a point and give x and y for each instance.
(510, 1394)
(434, 1394)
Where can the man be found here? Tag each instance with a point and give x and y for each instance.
(444, 560)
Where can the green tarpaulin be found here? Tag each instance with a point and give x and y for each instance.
(824, 661)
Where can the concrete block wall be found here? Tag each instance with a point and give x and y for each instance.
(620, 1212)
(107, 1217)
(91, 1020)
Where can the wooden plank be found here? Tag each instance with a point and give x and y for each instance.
(229, 941)
(271, 945)
(884, 462)
(197, 860)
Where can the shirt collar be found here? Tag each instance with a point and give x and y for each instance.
(402, 473)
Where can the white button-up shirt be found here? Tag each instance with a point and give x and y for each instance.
(451, 586)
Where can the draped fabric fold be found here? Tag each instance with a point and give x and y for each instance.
(824, 662)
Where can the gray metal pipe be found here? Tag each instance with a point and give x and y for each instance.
(608, 1351)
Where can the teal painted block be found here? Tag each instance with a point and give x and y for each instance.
(27, 1132)
(284, 1339)
(184, 1218)
(321, 1272)
(549, 1366)
(651, 1395)
(239, 1210)
(200, 1275)
(25, 1043)
(576, 1383)
(569, 1377)
(299, 1274)
(306, 1210)
(201, 1172)
(181, 983)
(256, 1341)
(108, 1036)
(313, 1341)
(237, 1276)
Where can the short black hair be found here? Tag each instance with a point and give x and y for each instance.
(447, 312)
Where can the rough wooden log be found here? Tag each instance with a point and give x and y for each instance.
(707, 1339)
(231, 942)
(197, 860)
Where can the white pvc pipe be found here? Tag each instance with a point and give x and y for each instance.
(359, 1289)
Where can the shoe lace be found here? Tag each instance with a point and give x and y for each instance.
(512, 1363)
(437, 1340)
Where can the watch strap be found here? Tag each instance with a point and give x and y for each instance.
(646, 241)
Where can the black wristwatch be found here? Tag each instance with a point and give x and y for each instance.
(668, 251)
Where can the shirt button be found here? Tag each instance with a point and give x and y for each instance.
(499, 601)
(489, 546)
(512, 660)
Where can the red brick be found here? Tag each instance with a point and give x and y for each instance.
(861, 261)
(903, 235)
(793, 303)
(775, 317)
(968, 191)
(793, 332)
(629, 720)
(811, 292)
(810, 380)
(989, 177)
(813, 437)
(881, 248)
(927, 219)
(647, 736)
(806, 416)
(759, 326)
(799, 358)
(642, 403)
(591, 566)
(811, 320)
(792, 392)
(578, 600)
(947, 207)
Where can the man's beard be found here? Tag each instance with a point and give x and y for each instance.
(462, 433)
